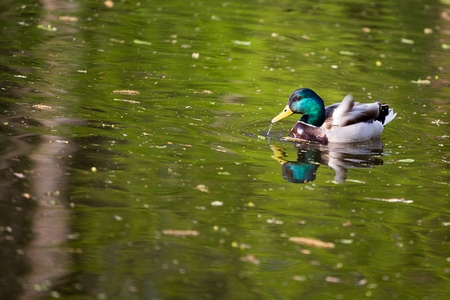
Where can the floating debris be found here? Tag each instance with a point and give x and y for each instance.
(407, 41)
(94, 169)
(242, 43)
(126, 100)
(355, 180)
(311, 242)
(274, 221)
(399, 200)
(420, 81)
(68, 19)
(217, 203)
(406, 160)
(41, 106)
(181, 233)
(439, 122)
(333, 279)
(126, 92)
(240, 246)
(108, 3)
(299, 278)
(347, 53)
(203, 92)
(19, 175)
(59, 141)
(141, 42)
(346, 241)
(195, 55)
(202, 188)
(250, 258)
(48, 27)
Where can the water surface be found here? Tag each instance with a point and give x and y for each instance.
(135, 162)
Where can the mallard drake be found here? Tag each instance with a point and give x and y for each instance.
(344, 122)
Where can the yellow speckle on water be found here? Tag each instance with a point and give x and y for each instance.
(378, 63)
(94, 169)
(234, 244)
(251, 204)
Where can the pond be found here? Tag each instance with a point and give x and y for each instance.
(135, 161)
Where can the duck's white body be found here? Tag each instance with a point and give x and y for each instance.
(346, 122)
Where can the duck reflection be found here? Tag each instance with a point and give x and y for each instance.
(339, 157)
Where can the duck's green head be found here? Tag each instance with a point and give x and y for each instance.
(306, 102)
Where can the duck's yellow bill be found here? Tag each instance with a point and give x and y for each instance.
(284, 114)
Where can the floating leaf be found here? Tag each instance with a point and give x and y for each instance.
(181, 233)
(126, 92)
(203, 92)
(399, 200)
(48, 27)
(126, 100)
(346, 241)
(406, 160)
(140, 42)
(202, 188)
(41, 106)
(345, 52)
(407, 41)
(355, 180)
(242, 43)
(250, 258)
(311, 242)
(421, 81)
(333, 279)
(68, 18)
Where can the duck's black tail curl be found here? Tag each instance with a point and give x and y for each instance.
(384, 111)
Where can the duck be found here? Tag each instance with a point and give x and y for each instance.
(345, 122)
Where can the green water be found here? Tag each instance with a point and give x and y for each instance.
(135, 163)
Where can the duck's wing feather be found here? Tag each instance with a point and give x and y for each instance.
(348, 113)
(329, 110)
